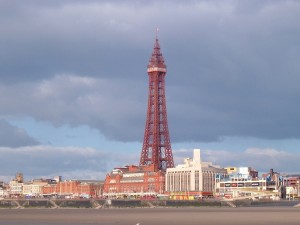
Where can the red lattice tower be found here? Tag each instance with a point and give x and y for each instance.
(157, 146)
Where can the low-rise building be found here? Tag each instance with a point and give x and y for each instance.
(243, 183)
(242, 171)
(15, 188)
(3, 192)
(74, 188)
(35, 187)
(292, 186)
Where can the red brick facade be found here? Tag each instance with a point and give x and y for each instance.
(75, 188)
(137, 180)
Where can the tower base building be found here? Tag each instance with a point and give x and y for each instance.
(134, 182)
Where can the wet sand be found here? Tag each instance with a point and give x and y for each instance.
(151, 216)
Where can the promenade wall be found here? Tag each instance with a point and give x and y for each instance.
(104, 203)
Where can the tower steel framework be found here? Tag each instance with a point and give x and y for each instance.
(157, 146)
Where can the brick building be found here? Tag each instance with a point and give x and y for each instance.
(74, 188)
(292, 187)
(135, 181)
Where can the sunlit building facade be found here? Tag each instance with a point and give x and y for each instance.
(134, 181)
(193, 178)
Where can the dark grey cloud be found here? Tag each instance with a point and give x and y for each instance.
(115, 107)
(80, 37)
(12, 136)
(233, 66)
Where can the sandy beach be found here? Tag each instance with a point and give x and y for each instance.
(151, 216)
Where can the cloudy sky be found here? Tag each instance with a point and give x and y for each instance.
(73, 83)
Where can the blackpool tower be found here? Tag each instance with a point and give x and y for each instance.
(157, 146)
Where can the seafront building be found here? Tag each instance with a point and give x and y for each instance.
(134, 181)
(39, 188)
(292, 186)
(3, 192)
(242, 171)
(15, 188)
(243, 183)
(34, 188)
(193, 179)
(74, 189)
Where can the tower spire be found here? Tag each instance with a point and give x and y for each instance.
(157, 146)
(157, 61)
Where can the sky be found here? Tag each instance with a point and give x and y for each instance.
(74, 85)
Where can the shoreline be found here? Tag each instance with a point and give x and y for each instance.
(152, 216)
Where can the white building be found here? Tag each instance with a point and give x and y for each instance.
(193, 178)
(15, 188)
(33, 189)
(3, 192)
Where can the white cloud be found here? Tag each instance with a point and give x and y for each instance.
(260, 159)
(268, 152)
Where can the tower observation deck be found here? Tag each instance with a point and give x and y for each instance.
(157, 146)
